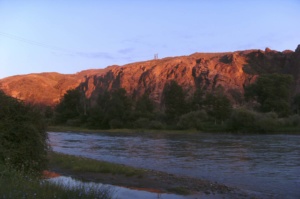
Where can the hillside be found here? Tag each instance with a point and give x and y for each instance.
(231, 70)
(44, 88)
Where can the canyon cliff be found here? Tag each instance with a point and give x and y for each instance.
(231, 70)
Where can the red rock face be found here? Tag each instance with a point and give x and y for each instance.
(43, 88)
(232, 71)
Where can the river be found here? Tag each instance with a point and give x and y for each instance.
(265, 164)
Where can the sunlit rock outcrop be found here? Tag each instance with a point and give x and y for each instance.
(231, 70)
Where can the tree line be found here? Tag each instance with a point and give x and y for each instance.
(265, 104)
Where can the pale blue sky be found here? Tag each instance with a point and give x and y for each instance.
(68, 36)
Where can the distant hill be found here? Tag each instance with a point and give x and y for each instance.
(231, 70)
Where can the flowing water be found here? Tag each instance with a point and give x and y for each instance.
(265, 164)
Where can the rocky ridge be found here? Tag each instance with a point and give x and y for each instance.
(230, 70)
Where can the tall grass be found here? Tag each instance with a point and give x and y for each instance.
(15, 184)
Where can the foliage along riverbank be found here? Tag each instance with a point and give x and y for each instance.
(266, 106)
(87, 130)
(279, 130)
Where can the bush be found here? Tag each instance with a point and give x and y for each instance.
(116, 124)
(193, 120)
(267, 122)
(23, 139)
(291, 121)
(141, 123)
(73, 122)
(242, 120)
(156, 125)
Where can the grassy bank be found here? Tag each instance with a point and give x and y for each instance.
(80, 164)
(128, 131)
(14, 184)
(217, 129)
(85, 130)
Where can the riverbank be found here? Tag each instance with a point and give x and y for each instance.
(85, 130)
(88, 170)
(283, 130)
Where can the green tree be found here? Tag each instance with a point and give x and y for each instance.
(272, 92)
(23, 139)
(174, 101)
(48, 112)
(218, 106)
(144, 106)
(197, 100)
(118, 108)
(70, 107)
(96, 114)
(143, 112)
(296, 103)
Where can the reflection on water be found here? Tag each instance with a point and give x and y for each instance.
(269, 164)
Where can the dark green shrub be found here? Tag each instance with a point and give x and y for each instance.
(73, 122)
(267, 122)
(243, 120)
(23, 139)
(141, 123)
(156, 125)
(116, 124)
(193, 120)
(291, 121)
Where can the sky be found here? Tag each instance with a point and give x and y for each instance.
(73, 35)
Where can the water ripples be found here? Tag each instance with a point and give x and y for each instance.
(265, 163)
